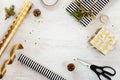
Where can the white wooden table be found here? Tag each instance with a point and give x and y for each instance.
(60, 39)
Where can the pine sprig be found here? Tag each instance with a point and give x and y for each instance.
(10, 12)
(81, 12)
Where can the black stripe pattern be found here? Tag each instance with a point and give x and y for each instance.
(39, 68)
(87, 4)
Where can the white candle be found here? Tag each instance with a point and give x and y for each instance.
(49, 2)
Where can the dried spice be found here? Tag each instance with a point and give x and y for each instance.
(71, 67)
(37, 12)
(81, 12)
(35, 43)
(25, 40)
(10, 12)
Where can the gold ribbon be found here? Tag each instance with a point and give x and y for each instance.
(16, 24)
(10, 60)
(89, 12)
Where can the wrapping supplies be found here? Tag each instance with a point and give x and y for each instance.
(103, 41)
(15, 26)
(10, 60)
(39, 68)
(94, 6)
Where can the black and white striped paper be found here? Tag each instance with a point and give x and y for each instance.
(39, 68)
(88, 5)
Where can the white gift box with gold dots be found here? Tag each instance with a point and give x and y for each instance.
(103, 41)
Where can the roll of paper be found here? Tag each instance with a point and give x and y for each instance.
(15, 26)
(39, 68)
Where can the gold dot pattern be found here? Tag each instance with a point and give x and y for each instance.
(103, 41)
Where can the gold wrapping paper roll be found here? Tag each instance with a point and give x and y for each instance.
(16, 24)
(10, 61)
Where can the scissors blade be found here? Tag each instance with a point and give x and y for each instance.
(83, 62)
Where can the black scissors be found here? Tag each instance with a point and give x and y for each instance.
(100, 71)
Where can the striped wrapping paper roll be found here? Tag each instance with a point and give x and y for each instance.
(92, 5)
(39, 68)
(15, 26)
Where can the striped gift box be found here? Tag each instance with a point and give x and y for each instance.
(91, 5)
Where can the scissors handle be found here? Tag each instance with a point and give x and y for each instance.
(101, 72)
